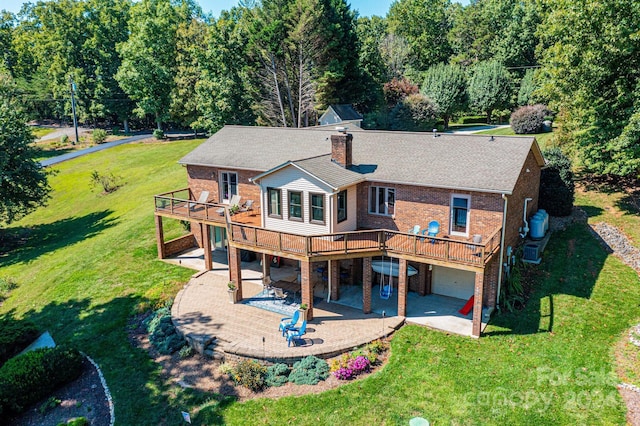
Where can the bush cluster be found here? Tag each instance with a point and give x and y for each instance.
(529, 119)
(250, 374)
(253, 375)
(99, 136)
(414, 113)
(158, 134)
(30, 377)
(162, 333)
(354, 363)
(557, 188)
(14, 337)
(309, 371)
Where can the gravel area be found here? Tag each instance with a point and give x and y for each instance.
(619, 244)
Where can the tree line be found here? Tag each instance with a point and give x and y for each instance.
(282, 62)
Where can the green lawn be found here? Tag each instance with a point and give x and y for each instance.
(90, 263)
(39, 132)
(544, 139)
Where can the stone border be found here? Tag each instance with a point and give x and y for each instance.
(632, 388)
(634, 330)
(107, 393)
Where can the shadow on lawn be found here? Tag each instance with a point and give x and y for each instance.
(571, 265)
(141, 394)
(25, 244)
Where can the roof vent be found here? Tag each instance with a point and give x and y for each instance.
(435, 133)
(491, 138)
(342, 129)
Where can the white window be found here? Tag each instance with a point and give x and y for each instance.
(342, 206)
(382, 200)
(228, 185)
(460, 212)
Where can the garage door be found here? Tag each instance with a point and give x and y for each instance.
(452, 282)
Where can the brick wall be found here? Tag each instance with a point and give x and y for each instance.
(527, 186)
(179, 244)
(207, 178)
(417, 205)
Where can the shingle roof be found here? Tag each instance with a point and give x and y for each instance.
(346, 112)
(463, 162)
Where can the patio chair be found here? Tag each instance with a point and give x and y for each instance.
(432, 230)
(204, 197)
(288, 323)
(415, 230)
(234, 201)
(248, 206)
(279, 294)
(476, 239)
(295, 333)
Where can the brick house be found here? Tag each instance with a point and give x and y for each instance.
(343, 200)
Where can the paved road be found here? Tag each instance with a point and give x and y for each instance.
(69, 131)
(75, 154)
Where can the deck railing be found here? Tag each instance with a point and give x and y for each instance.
(180, 203)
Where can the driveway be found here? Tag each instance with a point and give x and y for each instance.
(69, 131)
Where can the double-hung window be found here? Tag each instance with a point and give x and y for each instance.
(342, 206)
(382, 200)
(316, 202)
(274, 201)
(460, 215)
(228, 185)
(295, 205)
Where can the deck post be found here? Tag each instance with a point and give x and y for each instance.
(160, 237)
(422, 279)
(477, 304)
(402, 288)
(366, 285)
(206, 246)
(306, 287)
(266, 269)
(334, 278)
(235, 269)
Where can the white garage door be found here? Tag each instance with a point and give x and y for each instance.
(452, 282)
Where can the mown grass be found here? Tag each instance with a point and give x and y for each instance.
(39, 132)
(90, 263)
(544, 139)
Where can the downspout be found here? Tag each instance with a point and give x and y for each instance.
(504, 224)
(525, 230)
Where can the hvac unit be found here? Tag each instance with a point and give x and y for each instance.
(531, 254)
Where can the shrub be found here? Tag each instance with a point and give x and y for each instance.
(528, 119)
(250, 374)
(14, 337)
(30, 377)
(415, 113)
(6, 286)
(557, 188)
(277, 375)
(226, 368)
(99, 136)
(78, 421)
(359, 364)
(397, 90)
(186, 351)
(64, 139)
(376, 347)
(344, 373)
(115, 131)
(309, 371)
(108, 182)
(158, 134)
(162, 333)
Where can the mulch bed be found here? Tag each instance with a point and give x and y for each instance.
(83, 397)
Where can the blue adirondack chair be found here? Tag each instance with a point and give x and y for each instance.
(415, 230)
(295, 333)
(287, 323)
(432, 230)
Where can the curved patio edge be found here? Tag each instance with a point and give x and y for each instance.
(213, 326)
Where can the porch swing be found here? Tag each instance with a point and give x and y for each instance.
(386, 289)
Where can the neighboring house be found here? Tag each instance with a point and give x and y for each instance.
(327, 198)
(341, 114)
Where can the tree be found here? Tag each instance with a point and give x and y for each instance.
(527, 88)
(371, 33)
(148, 58)
(23, 183)
(489, 87)
(397, 90)
(425, 25)
(446, 85)
(557, 188)
(590, 58)
(222, 92)
(414, 113)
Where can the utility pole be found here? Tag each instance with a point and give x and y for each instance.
(73, 107)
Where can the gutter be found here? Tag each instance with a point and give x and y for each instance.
(504, 224)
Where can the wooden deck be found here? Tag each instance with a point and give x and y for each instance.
(245, 232)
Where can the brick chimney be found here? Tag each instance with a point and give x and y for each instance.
(341, 148)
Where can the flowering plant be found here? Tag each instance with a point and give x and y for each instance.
(343, 373)
(359, 364)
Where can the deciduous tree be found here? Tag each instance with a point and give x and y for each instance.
(446, 85)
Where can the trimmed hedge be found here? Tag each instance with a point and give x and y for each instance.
(528, 119)
(14, 337)
(30, 377)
